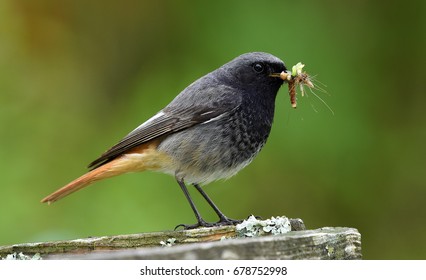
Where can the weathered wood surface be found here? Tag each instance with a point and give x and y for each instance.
(150, 239)
(324, 243)
(127, 241)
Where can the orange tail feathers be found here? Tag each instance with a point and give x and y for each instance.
(143, 157)
(102, 172)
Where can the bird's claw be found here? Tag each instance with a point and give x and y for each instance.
(224, 221)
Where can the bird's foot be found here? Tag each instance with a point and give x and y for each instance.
(200, 223)
(224, 221)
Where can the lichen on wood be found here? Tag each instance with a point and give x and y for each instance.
(324, 243)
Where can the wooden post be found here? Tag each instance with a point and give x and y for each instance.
(203, 243)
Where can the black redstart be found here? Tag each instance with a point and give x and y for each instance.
(210, 131)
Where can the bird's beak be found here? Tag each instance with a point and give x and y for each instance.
(284, 75)
(301, 78)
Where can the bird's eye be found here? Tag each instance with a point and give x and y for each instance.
(258, 67)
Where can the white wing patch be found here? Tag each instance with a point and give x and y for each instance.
(215, 118)
(156, 116)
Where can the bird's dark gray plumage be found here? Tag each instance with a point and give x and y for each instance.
(210, 131)
(234, 96)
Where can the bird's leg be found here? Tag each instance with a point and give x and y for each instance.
(223, 220)
(200, 221)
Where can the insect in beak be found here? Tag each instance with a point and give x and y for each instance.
(295, 77)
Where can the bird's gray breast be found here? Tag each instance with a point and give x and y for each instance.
(220, 147)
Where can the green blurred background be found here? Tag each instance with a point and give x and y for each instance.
(76, 76)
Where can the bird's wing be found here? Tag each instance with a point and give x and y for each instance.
(171, 119)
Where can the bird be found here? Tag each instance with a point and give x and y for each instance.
(210, 131)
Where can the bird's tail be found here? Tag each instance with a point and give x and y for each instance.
(141, 158)
(105, 171)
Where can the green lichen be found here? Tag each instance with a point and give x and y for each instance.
(168, 243)
(254, 227)
(21, 256)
